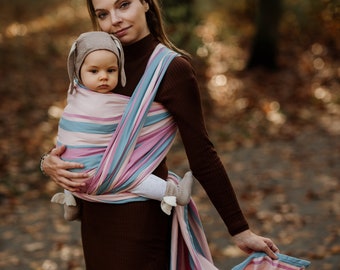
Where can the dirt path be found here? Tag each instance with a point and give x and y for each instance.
(290, 192)
(288, 189)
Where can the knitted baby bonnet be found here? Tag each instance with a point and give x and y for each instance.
(89, 42)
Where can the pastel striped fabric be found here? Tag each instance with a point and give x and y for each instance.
(260, 261)
(189, 246)
(121, 141)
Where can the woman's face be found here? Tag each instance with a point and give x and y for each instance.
(124, 18)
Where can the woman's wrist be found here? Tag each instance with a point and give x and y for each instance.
(42, 159)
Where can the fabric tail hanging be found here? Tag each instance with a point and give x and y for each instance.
(189, 246)
(261, 261)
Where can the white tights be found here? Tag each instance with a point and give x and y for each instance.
(153, 187)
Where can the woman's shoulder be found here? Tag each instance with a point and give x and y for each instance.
(181, 65)
(180, 79)
(182, 60)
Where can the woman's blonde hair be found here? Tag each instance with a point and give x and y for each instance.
(153, 18)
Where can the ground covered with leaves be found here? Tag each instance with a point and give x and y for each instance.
(277, 133)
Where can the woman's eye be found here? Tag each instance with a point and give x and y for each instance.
(124, 5)
(102, 15)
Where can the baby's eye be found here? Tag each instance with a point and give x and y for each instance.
(93, 71)
(111, 70)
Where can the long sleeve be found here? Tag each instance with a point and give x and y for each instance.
(179, 93)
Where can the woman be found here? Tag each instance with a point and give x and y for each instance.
(137, 235)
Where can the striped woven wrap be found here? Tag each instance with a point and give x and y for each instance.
(261, 261)
(121, 141)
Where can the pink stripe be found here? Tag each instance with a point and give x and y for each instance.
(93, 118)
(267, 261)
(72, 153)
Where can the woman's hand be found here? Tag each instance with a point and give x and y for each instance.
(58, 170)
(250, 242)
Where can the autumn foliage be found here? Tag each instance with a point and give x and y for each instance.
(244, 108)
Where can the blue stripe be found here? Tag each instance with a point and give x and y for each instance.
(90, 162)
(156, 118)
(135, 199)
(85, 127)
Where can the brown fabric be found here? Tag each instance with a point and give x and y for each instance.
(136, 235)
(125, 236)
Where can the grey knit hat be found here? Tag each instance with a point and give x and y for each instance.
(89, 42)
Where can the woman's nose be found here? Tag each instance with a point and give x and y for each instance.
(115, 18)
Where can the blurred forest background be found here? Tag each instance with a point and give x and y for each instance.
(270, 80)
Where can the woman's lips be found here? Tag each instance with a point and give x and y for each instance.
(121, 32)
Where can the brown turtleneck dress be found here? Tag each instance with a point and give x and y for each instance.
(137, 235)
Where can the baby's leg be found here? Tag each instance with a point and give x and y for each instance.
(153, 187)
(167, 192)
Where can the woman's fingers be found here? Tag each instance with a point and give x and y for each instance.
(58, 151)
(267, 246)
(270, 248)
(73, 165)
(74, 184)
(69, 185)
(70, 180)
(250, 242)
(269, 252)
(271, 245)
(59, 171)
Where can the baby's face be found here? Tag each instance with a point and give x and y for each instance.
(100, 71)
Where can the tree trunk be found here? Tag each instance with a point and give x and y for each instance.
(264, 49)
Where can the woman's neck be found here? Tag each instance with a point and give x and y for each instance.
(141, 47)
(136, 59)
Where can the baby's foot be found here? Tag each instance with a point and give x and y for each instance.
(184, 188)
(71, 212)
(177, 194)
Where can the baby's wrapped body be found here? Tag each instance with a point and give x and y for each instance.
(88, 127)
(115, 152)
